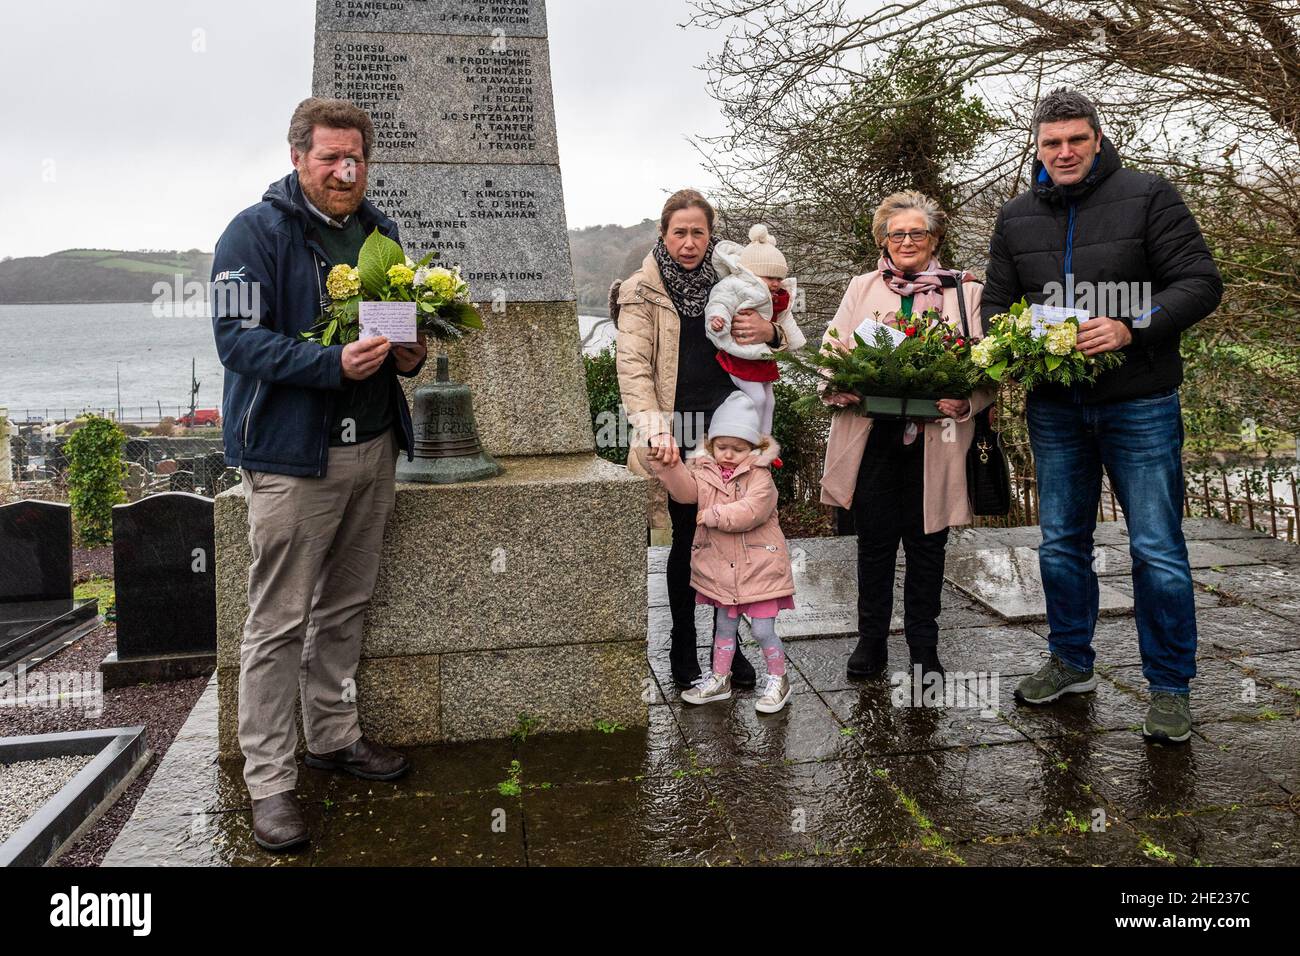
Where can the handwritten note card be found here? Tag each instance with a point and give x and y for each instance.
(393, 320)
(1045, 315)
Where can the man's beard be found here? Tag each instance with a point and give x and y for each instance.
(335, 204)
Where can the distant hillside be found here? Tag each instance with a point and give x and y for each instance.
(97, 275)
(601, 254)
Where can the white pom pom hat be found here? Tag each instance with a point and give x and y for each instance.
(762, 257)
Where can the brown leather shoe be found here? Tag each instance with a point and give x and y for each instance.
(364, 759)
(278, 823)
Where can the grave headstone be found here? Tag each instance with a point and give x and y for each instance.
(35, 551)
(165, 586)
(37, 609)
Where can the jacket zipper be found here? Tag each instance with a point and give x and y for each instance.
(1069, 254)
(248, 415)
(323, 456)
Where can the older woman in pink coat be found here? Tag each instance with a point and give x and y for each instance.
(902, 480)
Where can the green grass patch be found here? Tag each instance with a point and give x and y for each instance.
(101, 589)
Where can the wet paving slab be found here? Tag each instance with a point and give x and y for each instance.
(1280, 670)
(731, 734)
(656, 821)
(851, 773)
(1007, 581)
(1221, 690)
(1114, 844)
(462, 829)
(830, 807)
(1133, 777)
(1244, 836)
(1273, 588)
(1235, 631)
(885, 720)
(1270, 747)
(1112, 560)
(990, 790)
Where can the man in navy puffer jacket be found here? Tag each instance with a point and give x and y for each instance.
(316, 431)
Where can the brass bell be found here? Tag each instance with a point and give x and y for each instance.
(447, 448)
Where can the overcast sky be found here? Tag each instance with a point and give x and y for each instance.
(118, 135)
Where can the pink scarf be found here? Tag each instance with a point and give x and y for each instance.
(925, 287)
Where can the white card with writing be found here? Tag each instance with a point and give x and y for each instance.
(869, 327)
(393, 320)
(1045, 315)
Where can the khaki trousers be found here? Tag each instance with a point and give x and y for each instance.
(316, 544)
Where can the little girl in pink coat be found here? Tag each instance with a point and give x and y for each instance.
(740, 563)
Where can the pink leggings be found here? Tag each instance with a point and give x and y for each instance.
(724, 642)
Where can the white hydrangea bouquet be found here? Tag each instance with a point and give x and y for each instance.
(1017, 348)
(383, 273)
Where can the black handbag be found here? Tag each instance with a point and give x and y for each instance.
(988, 479)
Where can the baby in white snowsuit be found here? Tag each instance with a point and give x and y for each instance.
(755, 277)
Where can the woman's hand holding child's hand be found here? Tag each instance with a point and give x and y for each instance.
(708, 517)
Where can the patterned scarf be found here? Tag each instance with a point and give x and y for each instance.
(925, 286)
(688, 288)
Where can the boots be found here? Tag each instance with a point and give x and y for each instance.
(928, 660)
(869, 657)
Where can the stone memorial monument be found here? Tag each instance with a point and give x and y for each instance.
(523, 594)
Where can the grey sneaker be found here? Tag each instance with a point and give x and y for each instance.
(1052, 680)
(776, 691)
(708, 688)
(1169, 718)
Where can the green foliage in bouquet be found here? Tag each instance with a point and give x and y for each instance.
(930, 362)
(1010, 351)
(383, 273)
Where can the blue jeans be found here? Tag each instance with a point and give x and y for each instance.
(1139, 443)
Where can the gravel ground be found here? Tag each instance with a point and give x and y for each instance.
(90, 563)
(27, 784)
(161, 708)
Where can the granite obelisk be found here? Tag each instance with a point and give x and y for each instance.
(525, 593)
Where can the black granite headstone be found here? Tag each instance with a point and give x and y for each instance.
(164, 578)
(35, 551)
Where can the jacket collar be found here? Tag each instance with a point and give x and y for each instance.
(1107, 162)
(652, 281)
(707, 467)
(286, 195)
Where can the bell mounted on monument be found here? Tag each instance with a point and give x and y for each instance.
(447, 448)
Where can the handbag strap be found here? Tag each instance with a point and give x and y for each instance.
(982, 418)
(964, 325)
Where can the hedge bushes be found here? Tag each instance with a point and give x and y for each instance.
(96, 469)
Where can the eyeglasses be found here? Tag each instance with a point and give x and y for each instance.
(916, 235)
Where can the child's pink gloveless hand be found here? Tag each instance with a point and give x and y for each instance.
(716, 325)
